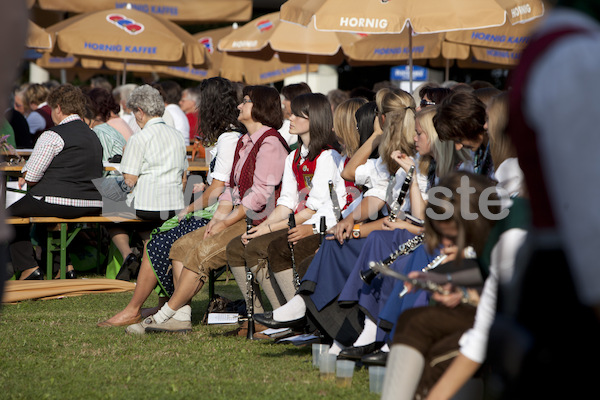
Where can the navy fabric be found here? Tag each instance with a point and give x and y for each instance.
(395, 305)
(379, 245)
(159, 248)
(330, 269)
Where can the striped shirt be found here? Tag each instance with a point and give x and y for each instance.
(46, 148)
(157, 156)
(111, 140)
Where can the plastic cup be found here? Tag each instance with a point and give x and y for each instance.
(344, 369)
(376, 375)
(327, 366)
(317, 350)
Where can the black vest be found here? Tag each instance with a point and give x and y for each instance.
(70, 173)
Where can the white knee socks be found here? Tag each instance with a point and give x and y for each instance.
(403, 372)
(368, 335)
(239, 274)
(265, 279)
(285, 280)
(292, 310)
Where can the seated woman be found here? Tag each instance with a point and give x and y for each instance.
(100, 106)
(251, 191)
(221, 129)
(153, 165)
(338, 257)
(305, 193)
(439, 159)
(345, 127)
(427, 338)
(59, 176)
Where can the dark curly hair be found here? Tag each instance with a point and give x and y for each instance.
(218, 110)
(102, 103)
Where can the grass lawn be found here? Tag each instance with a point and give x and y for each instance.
(53, 350)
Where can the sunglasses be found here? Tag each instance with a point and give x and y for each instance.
(425, 103)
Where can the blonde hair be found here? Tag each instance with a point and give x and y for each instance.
(443, 152)
(501, 147)
(344, 124)
(399, 126)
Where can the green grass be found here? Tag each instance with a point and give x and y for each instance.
(53, 350)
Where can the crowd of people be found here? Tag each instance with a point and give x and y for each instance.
(387, 223)
(303, 193)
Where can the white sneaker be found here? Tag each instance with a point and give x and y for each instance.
(170, 325)
(139, 328)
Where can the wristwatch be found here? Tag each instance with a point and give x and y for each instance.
(315, 230)
(356, 231)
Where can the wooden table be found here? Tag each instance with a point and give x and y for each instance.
(198, 165)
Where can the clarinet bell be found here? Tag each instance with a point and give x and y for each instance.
(251, 329)
(368, 276)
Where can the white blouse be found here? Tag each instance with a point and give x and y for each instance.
(223, 153)
(327, 169)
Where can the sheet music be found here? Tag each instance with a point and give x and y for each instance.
(222, 318)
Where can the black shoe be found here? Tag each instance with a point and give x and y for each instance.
(130, 265)
(36, 275)
(267, 320)
(71, 274)
(378, 357)
(356, 353)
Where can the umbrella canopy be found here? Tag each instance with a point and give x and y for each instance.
(262, 37)
(180, 11)
(251, 71)
(123, 34)
(385, 16)
(37, 37)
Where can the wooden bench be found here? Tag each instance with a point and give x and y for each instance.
(61, 243)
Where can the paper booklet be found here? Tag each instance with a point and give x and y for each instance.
(222, 318)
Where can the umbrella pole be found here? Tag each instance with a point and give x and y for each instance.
(307, 57)
(123, 78)
(447, 69)
(410, 59)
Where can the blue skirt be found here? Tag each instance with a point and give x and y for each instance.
(329, 270)
(394, 306)
(379, 245)
(159, 247)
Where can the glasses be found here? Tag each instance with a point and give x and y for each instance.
(244, 101)
(299, 116)
(425, 103)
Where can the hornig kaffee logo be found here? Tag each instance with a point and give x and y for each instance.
(127, 24)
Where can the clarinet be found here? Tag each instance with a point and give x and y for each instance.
(292, 224)
(403, 190)
(435, 263)
(334, 202)
(426, 285)
(405, 248)
(250, 292)
(322, 229)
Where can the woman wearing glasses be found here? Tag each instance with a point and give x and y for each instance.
(251, 190)
(304, 192)
(430, 96)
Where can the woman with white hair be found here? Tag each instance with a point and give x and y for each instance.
(153, 165)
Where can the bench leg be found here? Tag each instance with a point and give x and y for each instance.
(63, 250)
(49, 250)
